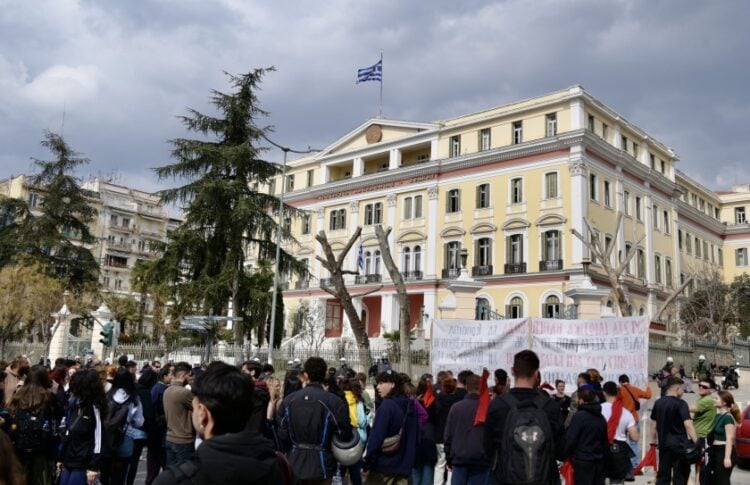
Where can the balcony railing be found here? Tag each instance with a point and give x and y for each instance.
(551, 265)
(515, 268)
(412, 275)
(326, 281)
(302, 284)
(120, 246)
(481, 270)
(451, 273)
(363, 279)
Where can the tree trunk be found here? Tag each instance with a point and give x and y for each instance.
(404, 320)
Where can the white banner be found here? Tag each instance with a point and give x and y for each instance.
(566, 348)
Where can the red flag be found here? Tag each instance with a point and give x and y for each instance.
(566, 471)
(614, 419)
(484, 400)
(648, 460)
(428, 397)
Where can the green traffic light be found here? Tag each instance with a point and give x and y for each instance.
(107, 334)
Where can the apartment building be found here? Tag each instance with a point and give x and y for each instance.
(507, 185)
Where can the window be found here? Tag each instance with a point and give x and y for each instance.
(679, 239)
(551, 124)
(604, 130)
(626, 202)
(407, 259)
(272, 186)
(641, 263)
(33, 199)
(739, 215)
(125, 222)
(705, 250)
(624, 143)
(417, 206)
(668, 272)
(372, 262)
(452, 255)
(721, 256)
(483, 252)
(666, 222)
(655, 216)
(551, 307)
(551, 249)
(657, 268)
(516, 191)
(607, 194)
(417, 258)
(740, 256)
(635, 150)
(592, 124)
(289, 183)
(484, 139)
(413, 207)
(337, 220)
(483, 196)
(663, 166)
(652, 159)
(593, 187)
(713, 253)
(287, 224)
(515, 249)
(629, 267)
(688, 243)
(550, 185)
(697, 248)
(515, 309)
(310, 177)
(608, 244)
(113, 220)
(595, 239)
(374, 214)
(455, 148)
(517, 132)
(638, 209)
(306, 224)
(453, 201)
(334, 323)
(407, 208)
(482, 309)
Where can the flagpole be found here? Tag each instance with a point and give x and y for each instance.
(381, 85)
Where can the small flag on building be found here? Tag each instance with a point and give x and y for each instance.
(361, 257)
(372, 73)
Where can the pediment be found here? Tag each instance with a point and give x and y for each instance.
(550, 219)
(372, 132)
(411, 236)
(516, 223)
(453, 231)
(483, 227)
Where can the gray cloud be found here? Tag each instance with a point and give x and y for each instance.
(124, 71)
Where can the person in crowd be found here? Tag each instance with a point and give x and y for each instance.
(292, 382)
(464, 441)
(14, 376)
(11, 471)
(526, 377)
(156, 366)
(596, 383)
(124, 416)
(358, 418)
(562, 399)
(83, 430)
(446, 399)
(272, 410)
(583, 381)
(723, 449)
(631, 397)
(670, 428)
(132, 367)
(673, 372)
(257, 419)
(461, 382)
(156, 452)
(146, 382)
(310, 416)
(197, 369)
(701, 370)
(230, 454)
(369, 403)
(621, 426)
(704, 412)
(501, 382)
(396, 421)
(178, 406)
(586, 440)
(423, 472)
(437, 386)
(36, 414)
(344, 371)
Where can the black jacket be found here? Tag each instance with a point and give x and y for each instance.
(586, 439)
(233, 458)
(308, 419)
(82, 440)
(445, 402)
(464, 442)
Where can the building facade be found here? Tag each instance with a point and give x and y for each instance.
(509, 185)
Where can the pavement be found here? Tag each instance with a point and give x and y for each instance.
(739, 476)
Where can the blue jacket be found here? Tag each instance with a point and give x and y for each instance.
(464, 442)
(388, 420)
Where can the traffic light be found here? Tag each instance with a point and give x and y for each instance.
(107, 334)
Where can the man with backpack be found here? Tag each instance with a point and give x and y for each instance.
(532, 416)
(222, 402)
(631, 400)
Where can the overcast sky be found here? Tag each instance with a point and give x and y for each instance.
(122, 71)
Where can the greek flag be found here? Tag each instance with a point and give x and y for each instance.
(372, 73)
(361, 257)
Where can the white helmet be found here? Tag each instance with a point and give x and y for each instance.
(670, 359)
(347, 452)
(701, 357)
(342, 359)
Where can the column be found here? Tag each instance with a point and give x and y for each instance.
(645, 154)
(579, 197)
(320, 226)
(648, 221)
(577, 114)
(430, 310)
(620, 209)
(391, 220)
(434, 146)
(430, 259)
(394, 160)
(351, 258)
(323, 175)
(386, 313)
(358, 167)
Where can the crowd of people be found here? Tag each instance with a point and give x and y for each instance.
(76, 424)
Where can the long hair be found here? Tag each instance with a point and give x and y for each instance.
(123, 380)
(11, 472)
(88, 389)
(728, 399)
(35, 393)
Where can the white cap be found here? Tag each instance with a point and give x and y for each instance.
(670, 359)
(701, 357)
(290, 362)
(256, 359)
(296, 361)
(342, 359)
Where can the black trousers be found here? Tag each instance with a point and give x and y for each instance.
(588, 472)
(721, 474)
(672, 469)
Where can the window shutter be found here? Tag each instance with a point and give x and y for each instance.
(507, 311)
(479, 197)
(458, 200)
(448, 201)
(737, 257)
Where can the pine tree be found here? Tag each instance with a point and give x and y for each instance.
(227, 215)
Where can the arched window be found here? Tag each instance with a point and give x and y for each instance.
(376, 262)
(551, 307)
(483, 309)
(368, 262)
(642, 311)
(407, 259)
(515, 309)
(417, 258)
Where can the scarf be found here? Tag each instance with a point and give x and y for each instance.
(428, 397)
(614, 420)
(484, 400)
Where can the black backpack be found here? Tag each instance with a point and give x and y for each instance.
(116, 424)
(33, 433)
(527, 445)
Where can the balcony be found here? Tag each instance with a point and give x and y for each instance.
(515, 268)
(302, 284)
(551, 265)
(120, 246)
(451, 273)
(412, 275)
(326, 281)
(363, 279)
(485, 270)
(126, 229)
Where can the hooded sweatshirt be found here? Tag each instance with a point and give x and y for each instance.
(586, 439)
(232, 458)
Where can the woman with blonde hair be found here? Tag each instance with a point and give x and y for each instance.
(723, 455)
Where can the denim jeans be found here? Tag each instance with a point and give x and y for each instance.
(464, 475)
(422, 474)
(636, 446)
(177, 454)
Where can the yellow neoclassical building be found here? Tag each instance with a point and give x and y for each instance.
(507, 184)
